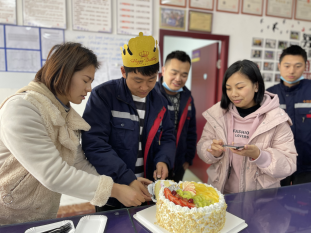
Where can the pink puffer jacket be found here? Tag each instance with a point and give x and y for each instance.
(273, 135)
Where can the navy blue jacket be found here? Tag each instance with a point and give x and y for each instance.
(186, 136)
(112, 143)
(296, 101)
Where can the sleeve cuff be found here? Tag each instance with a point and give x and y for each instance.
(211, 157)
(263, 160)
(103, 191)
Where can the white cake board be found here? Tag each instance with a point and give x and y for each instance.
(147, 218)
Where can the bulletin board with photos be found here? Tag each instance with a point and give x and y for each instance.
(265, 53)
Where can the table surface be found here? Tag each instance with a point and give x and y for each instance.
(285, 209)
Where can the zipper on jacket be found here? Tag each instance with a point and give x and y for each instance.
(244, 174)
(303, 118)
(160, 135)
(229, 173)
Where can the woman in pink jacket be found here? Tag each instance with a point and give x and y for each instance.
(250, 117)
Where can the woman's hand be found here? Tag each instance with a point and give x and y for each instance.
(144, 181)
(140, 187)
(216, 148)
(127, 195)
(251, 151)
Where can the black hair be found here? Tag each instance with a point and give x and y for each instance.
(145, 71)
(179, 55)
(294, 50)
(251, 70)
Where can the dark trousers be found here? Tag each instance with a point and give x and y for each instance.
(300, 178)
(177, 176)
(108, 207)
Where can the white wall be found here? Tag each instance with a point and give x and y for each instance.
(241, 29)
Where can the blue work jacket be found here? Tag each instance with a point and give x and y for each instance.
(186, 136)
(296, 101)
(112, 143)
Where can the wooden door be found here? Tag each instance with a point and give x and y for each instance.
(204, 88)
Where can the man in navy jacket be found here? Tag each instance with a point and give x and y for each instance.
(294, 93)
(131, 132)
(182, 109)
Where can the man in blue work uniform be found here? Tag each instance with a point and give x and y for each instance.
(131, 136)
(181, 105)
(294, 93)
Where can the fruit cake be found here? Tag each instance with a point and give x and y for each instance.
(190, 207)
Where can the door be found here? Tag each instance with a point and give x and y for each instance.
(204, 88)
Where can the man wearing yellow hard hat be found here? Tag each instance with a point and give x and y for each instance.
(131, 137)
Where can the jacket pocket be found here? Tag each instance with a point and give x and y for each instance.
(20, 193)
(214, 172)
(122, 132)
(158, 135)
(264, 181)
(303, 123)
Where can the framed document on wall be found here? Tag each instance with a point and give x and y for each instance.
(175, 3)
(281, 9)
(303, 10)
(201, 4)
(252, 7)
(200, 21)
(42, 13)
(230, 6)
(134, 17)
(92, 16)
(7, 11)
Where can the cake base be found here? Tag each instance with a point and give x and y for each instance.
(147, 218)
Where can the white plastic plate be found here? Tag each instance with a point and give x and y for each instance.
(92, 224)
(147, 218)
(50, 226)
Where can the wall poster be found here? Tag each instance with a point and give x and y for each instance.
(134, 16)
(44, 13)
(8, 11)
(94, 16)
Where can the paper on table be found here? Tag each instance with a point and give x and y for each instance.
(49, 38)
(23, 60)
(22, 37)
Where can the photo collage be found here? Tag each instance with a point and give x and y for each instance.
(265, 52)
